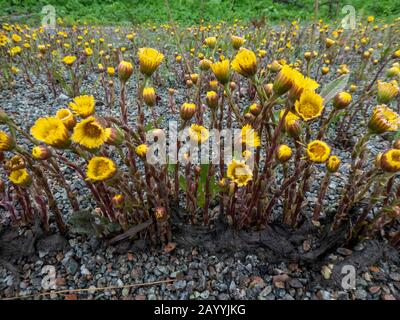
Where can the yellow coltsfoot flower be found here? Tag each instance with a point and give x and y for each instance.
(51, 131)
(390, 160)
(141, 150)
(90, 133)
(83, 105)
(245, 63)
(283, 153)
(309, 106)
(198, 133)
(68, 60)
(149, 60)
(41, 153)
(239, 173)
(383, 119)
(318, 151)
(249, 137)
(100, 169)
(67, 117)
(387, 91)
(20, 178)
(221, 71)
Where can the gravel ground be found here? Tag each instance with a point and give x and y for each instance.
(195, 273)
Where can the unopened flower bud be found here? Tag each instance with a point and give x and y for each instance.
(187, 111)
(342, 100)
(333, 164)
(118, 201)
(41, 152)
(149, 96)
(125, 70)
(115, 136)
(212, 100)
(6, 142)
(255, 109)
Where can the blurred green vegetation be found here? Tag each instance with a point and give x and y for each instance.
(189, 11)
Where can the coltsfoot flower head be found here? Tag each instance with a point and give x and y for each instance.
(51, 131)
(300, 84)
(67, 117)
(249, 137)
(205, 64)
(255, 109)
(100, 169)
(6, 142)
(387, 91)
(237, 42)
(187, 111)
(333, 164)
(149, 96)
(149, 60)
(212, 100)
(342, 100)
(383, 119)
(41, 152)
(292, 124)
(390, 160)
(221, 71)
(15, 163)
(245, 63)
(125, 70)
(141, 150)
(318, 151)
(90, 133)
(210, 42)
(20, 178)
(283, 153)
(198, 133)
(284, 80)
(68, 60)
(83, 105)
(309, 106)
(239, 173)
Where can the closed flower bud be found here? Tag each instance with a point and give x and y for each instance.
(255, 109)
(205, 64)
(41, 152)
(187, 111)
(283, 153)
(307, 55)
(125, 70)
(329, 42)
(115, 136)
(210, 42)
(333, 164)
(249, 117)
(268, 87)
(118, 201)
(284, 80)
(342, 100)
(6, 142)
(378, 160)
(189, 83)
(194, 77)
(149, 96)
(232, 86)
(171, 91)
(396, 144)
(275, 66)
(212, 100)
(325, 70)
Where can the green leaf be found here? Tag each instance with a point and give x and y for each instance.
(334, 87)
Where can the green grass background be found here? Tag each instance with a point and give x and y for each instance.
(186, 11)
